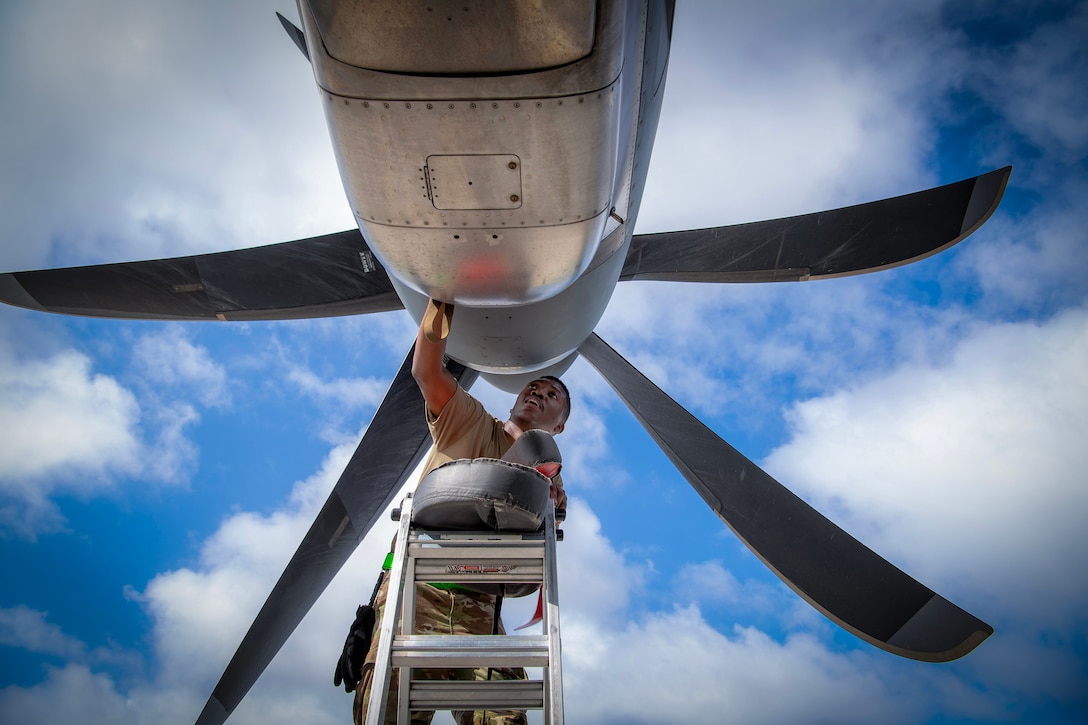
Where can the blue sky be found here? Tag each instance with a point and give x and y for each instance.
(155, 478)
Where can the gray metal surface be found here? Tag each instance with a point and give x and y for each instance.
(455, 37)
(596, 70)
(481, 695)
(518, 191)
(525, 338)
(512, 177)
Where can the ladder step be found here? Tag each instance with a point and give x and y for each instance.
(491, 570)
(468, 559)
(429, 650)
(456, 549)
(454, 562)
(476, 695)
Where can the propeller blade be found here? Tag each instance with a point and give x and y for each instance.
(837, 243)
(827, 567)
(296, 34)
(390, 450)
(334, 274)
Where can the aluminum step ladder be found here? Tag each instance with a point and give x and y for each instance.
(460, 557)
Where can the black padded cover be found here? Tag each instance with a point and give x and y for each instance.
(534, 448)
(487, 493)
(481, 494)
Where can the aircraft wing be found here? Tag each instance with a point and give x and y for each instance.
(334, 274)
(836, 243)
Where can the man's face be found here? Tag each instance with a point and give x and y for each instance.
(541, 405)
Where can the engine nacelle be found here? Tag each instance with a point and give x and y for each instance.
(473, 186)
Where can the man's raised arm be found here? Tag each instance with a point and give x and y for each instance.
(428, 368)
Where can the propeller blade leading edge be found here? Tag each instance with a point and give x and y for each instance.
(827, 567)
(837, 243)
(334, 274)
(392, 447)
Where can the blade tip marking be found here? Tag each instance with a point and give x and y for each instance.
(214, 713)
(13, 293)
(939, 632)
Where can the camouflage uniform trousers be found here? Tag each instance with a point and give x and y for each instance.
(440, 612)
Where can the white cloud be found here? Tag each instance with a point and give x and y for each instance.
(70, 429)
(345, 393)
(1035, 263)
(595, 581)
(202, 613)
(28, 629)
(59, 415)
(673, 667)
(1039, 85)
(65, 428)
(803, 123)
(980, 443)
(70, 694)
(707, 581)
(165, 159)
(167, 357)
(969, 476)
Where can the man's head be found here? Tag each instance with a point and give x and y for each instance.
(543, 404)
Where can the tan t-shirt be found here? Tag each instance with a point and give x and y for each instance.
(464, 430)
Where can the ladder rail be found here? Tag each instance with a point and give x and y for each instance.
(466, 557)
(383, 669)
(553, 674)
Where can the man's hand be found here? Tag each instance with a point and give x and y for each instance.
(428, 368)
(437, 320)
(559, 496)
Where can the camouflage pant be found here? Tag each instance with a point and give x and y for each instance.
(440, 612)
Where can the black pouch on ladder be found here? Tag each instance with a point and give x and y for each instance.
(349, 668)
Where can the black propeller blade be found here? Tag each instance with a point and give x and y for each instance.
(830, 569)
(337, 274)
(393, 445)
(836, 243)
(296, 34)
(334, 274)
